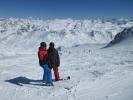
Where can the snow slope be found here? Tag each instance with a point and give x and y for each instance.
(96, 74)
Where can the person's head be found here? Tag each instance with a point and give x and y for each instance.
(43, 45)
(51, 45)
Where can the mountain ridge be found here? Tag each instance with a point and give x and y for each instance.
(23, 34)
(123, 35)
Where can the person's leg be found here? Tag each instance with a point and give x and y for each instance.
(44, 73)
(56, 73)
(49, 76)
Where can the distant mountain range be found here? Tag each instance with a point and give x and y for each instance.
(24, 34)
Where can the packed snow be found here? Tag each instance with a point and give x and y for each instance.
(96, 74)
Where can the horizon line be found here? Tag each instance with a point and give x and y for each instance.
(89, 18)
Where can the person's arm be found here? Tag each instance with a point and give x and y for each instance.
(49, 63)
(40, 63)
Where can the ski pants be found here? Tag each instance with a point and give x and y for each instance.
(56, 73)
(47, 74)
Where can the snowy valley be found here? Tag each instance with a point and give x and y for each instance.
(97, 73)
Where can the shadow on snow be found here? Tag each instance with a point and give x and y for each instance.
(20, 81)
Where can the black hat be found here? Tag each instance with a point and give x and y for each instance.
(51, 44)
(43, 44)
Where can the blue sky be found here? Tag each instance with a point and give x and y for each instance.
(76, 9)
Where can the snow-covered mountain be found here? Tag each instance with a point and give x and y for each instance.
(96, 74)
(127, 33)
(26, 34)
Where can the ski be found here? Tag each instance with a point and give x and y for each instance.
(61, 79)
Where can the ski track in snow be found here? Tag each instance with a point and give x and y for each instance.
(96, 74)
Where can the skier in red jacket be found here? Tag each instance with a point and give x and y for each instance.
(43, 61)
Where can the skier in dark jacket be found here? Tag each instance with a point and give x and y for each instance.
(54, 60)
(43, 61)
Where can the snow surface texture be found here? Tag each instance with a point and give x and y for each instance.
(96, 74)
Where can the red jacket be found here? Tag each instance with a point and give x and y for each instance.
(41, 53)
